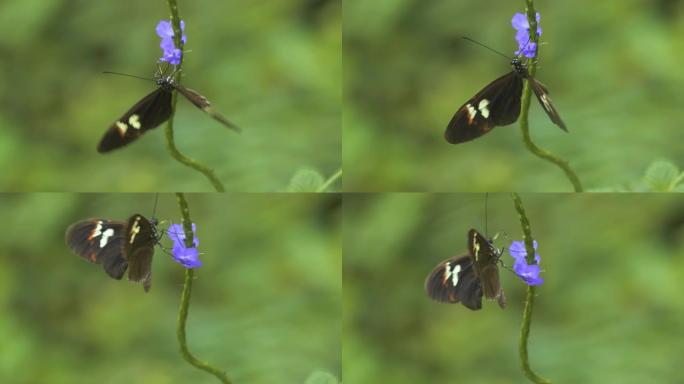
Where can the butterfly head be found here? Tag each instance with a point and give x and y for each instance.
(156, 233)
(164, 81)
(519, 67)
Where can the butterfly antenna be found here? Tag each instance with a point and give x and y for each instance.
(126, 74)
(490, 48)
(156, 200)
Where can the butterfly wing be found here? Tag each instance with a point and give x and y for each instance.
(202, 103)
(545, 101)
(146, 114)
(454, 280)
(99, 241)
(485, 257)
(138, 249)
(496, 104)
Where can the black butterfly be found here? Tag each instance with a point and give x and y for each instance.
(153, 110)
(498, 104)
(117, 245)
(467, 278)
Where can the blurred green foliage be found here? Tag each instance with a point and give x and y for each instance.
(610, 310)
(273, 68)
(265, 306)
(612, 67)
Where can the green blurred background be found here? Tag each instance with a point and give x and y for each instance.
(265, 305)
(610, 310)
(613, 68)
(273, 68)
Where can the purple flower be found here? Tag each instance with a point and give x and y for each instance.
(170, 53)
(529, 273)
(525, 46)
(187, 257)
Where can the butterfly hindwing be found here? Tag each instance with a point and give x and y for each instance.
(496, 104)
(99, 241)
(138, 249)
(148, 113)
(453, 281)
(545, 101)
(202, 103)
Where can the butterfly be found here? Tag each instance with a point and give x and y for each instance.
(117, 245)
(498, 104)
(153, 110)
(467, 278)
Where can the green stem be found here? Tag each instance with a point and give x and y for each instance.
(331, 180)
(170, 141)
(525, 106)
(185, 300)
(529, 299)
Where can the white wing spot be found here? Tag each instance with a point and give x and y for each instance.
(476, 246)
(134, 121)
(472, 112)
(97, 231)
(135, 229)
(122, 127)
(452, 273)
(105, 237)
(546, 101)
(483, 108)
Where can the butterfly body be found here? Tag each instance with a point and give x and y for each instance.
(151, 111)
(467, 278)
(498, 104)
(117, 245)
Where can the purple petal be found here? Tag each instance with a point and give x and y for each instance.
(173, 57)
(519, 21)
(525, 46)
(167, 45)
(176, 233)
(170, 53)
(528, 273)
(164, 29)
(522, 37)
(518, 251)
(187, 257)
(529, 50)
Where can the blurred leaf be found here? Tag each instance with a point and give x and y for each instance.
(305, 180)
(661, 176)
(321, 377)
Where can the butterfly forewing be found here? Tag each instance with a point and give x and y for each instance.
(99, 241)
(138, 249)
(497, 104)
(202, 103)
(146, 114)
(454, 281)
(545, 101)
(485, 258)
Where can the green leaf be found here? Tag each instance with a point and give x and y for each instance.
(321, 377)
(661, 176)
(305, 180)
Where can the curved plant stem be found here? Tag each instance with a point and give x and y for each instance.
(529, 299)
(185, 300)
(331, 180)
(170, 141)
(525, 106)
